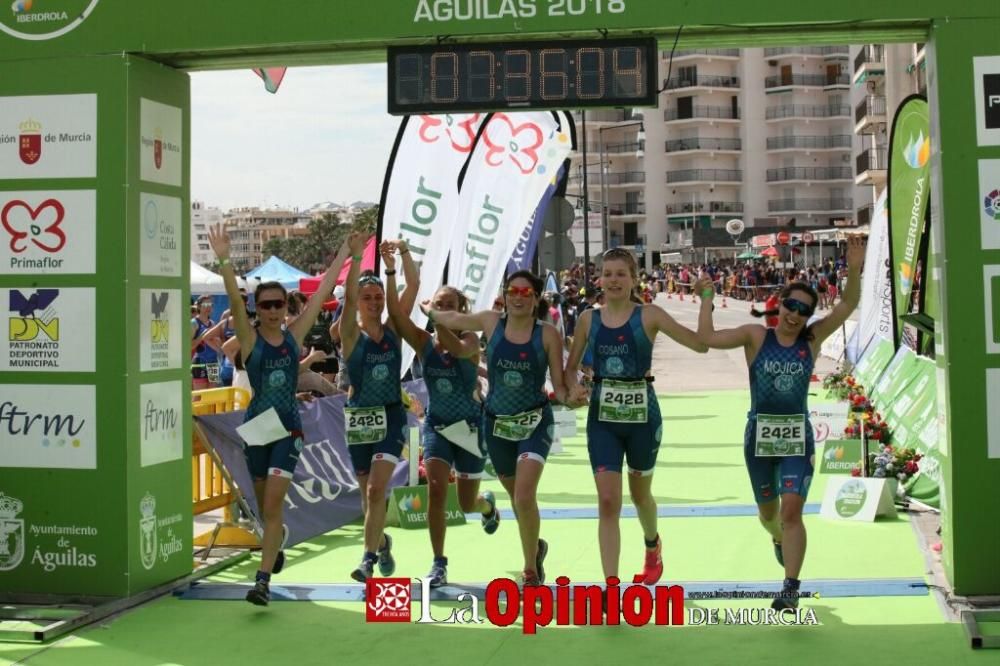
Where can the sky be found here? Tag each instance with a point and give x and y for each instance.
(325, 136)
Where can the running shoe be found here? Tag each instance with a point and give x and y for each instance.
(652, 569)
(789, 599)
(530, 578)
(491, 520)
(259, 594)
(543, 550)
(279, 561)
(778, 554)
(386, 562)
(438, 575)
(364, 571)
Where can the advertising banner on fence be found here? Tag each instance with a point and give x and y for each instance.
(517, 157)
(909, 188)
(324, 493)
(420, 196)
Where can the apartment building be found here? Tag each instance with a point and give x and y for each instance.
(202, 218)
(765, 136)
(884, 75)
(250, 229)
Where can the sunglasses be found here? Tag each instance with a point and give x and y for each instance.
(797, 306)
(616, 252)
(275, 304)
(526, 292)
(370, 279)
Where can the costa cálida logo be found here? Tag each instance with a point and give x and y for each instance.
(29, 141)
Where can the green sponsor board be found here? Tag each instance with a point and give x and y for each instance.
(894, 379)
(94, 449)
(909, 189)
(871, 364)
(840, 456)
(408, 507)
(859, 499)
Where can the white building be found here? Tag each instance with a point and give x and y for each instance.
(201, 219)
(761, 135)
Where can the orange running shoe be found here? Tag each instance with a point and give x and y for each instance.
(652, 569)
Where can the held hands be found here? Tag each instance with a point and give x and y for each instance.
(855, 251)
(388, 251)
(219, 240)
(705, 288)
(577, 396)
(425, 307)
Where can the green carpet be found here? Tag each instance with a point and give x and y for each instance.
(700, 463)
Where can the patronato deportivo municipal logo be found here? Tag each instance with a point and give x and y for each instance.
(11, 532)
(147, 530)
(159, 328)
(29, 141)
(991, 204)
(917, 151)
(36, 20)
(34, 316)
(387, 599)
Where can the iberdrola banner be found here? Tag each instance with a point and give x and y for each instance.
(517, 157)
(876, 315)
(909, 188)
(420, 196)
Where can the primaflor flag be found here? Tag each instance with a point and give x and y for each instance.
(420, 200)
(517, 157)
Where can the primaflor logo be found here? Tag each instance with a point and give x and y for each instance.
(36, 20)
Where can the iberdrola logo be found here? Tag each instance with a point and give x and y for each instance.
(917, 151)
(20, 6)
(905, 277)
(410, 503)
(835, 453)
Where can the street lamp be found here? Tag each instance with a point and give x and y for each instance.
(640, 137)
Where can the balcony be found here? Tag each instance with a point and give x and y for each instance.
(869, 61)
(865, 213)
(626, 148)
(700, 143)
(807, 81)
(626, 209)
(610, 179)
(702, 113)
(833, 205)
(678, 240)
(612, 116)
(705, 175)
(703, 81)
(827, 52)
(704, 206)
(786, 174)
(804, 112)
(871, 111)
(832, 142)
(703, 53)
(871, 166)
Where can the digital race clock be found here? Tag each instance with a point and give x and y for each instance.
(524, 75)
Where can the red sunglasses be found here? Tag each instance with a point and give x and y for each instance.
(526, 292)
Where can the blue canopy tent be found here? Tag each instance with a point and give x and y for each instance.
(275, 270)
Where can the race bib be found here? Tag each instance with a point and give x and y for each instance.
(518, 427)
(781, 435)
(623, 402)
(365, 425)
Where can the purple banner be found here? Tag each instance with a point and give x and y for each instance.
(324, 493)
(528, 241)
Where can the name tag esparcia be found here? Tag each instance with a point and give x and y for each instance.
(623, 402)
(365, 425)
(518, 427)
(781, 435)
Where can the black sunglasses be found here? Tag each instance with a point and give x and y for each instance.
(273, 304)
(798, 306)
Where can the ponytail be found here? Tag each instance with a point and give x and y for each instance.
(764, 313)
